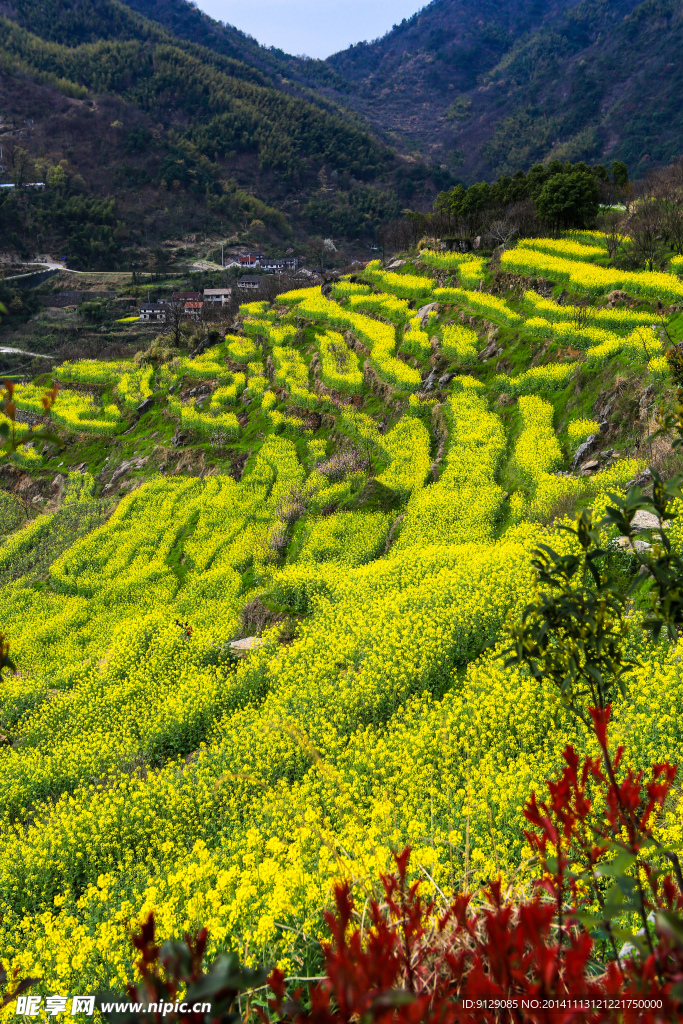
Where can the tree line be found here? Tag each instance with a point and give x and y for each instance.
(549, 197)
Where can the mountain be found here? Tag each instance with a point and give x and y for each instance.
(493, 86)
(175, 136)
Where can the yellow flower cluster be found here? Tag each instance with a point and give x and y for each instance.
(289, 367)
(491, 306)
(405, 286)
(347, 538)
(551, 377)
(615, 319)
(240, 350)
(405, 449)
(253, 308)
(537, 450)
(445, 260)
(416, 341)
(568, 249)
(149, 771)
(588, 277)
(659, 368)
(459, 343)
(73, 410)
(466, 501)
(92, 371)
(472, 272)
(209, 421)
(563, 330)
(342, 289)
(135, 386)
(396, 311)
(378, 336)
(579, 430)
(338, 364)
(208, 366)
(229, 393)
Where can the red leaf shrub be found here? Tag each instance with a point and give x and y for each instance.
(537, 960)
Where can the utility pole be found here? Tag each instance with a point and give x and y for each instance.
(222, 260)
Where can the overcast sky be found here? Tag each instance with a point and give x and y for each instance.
(314, 27)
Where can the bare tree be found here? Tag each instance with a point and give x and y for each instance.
(175, 318)
(322, 248)
(614, 234)
(502, 231)
(584, 314)
(667, 189)
(646, 230)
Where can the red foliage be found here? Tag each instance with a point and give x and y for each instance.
(506, 961)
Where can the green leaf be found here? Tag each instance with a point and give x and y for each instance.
(619, 866)
(614, 902)
(671, 925)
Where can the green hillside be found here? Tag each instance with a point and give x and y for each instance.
(489, 88)
(356, 476)
(134, 114)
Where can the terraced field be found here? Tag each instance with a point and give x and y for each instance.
(359, 478)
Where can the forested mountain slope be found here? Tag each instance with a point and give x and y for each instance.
(492, 87)
(134, 114)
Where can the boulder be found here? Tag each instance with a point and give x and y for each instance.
(645, 401)
(136, 463)
(615, 297)
(490, 350)
(583, 450)
(645, 521)
(243, 647)
(638, 545)
(145, 406)
(641, 479)
(429, 383)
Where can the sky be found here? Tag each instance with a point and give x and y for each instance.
(316, 28)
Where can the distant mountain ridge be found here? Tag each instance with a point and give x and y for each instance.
(487, 87)
(167, 122)
(492, 86)
(171, 136)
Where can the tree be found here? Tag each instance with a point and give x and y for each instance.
(569, 200)
(620, 174)
(646, 229)
(614, 233)
(322, 247)
(667, 189)
(175, 317)
(19, 160)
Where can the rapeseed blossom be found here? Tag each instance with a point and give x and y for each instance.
(154, 773)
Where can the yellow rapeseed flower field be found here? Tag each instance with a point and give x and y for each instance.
(392, 488)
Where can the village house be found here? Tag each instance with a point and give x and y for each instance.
(187, 296)
(193, 308)
(221, 295)
(249, 283)
(279, 263)
(153, 312)
(250, 259)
